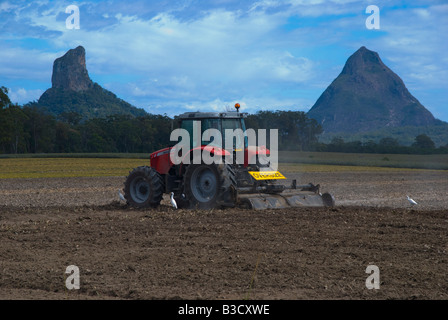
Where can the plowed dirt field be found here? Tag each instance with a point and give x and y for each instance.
(47, 225)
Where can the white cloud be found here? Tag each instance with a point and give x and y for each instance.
(308, 8)
(248, 104)
(7, 7)
(22, 95)
(29, 64)
(44, 14)
(423, 13)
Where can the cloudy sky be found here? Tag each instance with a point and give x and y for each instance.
(170, 56)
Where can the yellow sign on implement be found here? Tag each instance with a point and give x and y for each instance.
(266, 175)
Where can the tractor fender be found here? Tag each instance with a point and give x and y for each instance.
(254, 151)
(161, 159)
(212, 149)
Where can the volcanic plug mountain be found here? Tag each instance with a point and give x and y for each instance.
(70, 72)
(73, 91)
(368, 96)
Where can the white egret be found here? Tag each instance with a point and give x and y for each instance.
(411, 201)
(173, 202)
(120, 195)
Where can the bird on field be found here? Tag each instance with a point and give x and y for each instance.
(120, 195)
(173, 202)
(411, 201)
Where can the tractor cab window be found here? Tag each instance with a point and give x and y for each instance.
(238, 137)
(239, 141)
(205, 124)
(210, 124)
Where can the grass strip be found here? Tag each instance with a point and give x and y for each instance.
(110, 167)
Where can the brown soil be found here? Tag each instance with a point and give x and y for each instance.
(297, 253)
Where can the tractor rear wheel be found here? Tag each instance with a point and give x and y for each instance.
(143, 187)
(209, 186)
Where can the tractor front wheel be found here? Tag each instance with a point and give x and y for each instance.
(143, 188)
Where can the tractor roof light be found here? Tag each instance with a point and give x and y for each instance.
(237, 107)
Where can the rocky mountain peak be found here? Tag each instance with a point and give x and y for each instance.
(367, 96)
(73, 91)
(363, 60)
(70, 72)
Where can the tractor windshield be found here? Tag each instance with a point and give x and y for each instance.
(239, 141)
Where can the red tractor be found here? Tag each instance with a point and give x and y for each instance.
(198, 184)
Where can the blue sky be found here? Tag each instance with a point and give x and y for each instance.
(177, 55)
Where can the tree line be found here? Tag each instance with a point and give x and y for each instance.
(27, 129)
(422, 144)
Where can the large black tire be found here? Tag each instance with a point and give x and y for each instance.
(143, 188)
(209, 186)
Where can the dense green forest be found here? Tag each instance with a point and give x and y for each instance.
(27, 129)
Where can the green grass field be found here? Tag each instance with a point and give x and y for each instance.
(106, 165)
(67, 167)
(412, 161)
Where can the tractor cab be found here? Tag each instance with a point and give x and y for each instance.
(197, 123)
